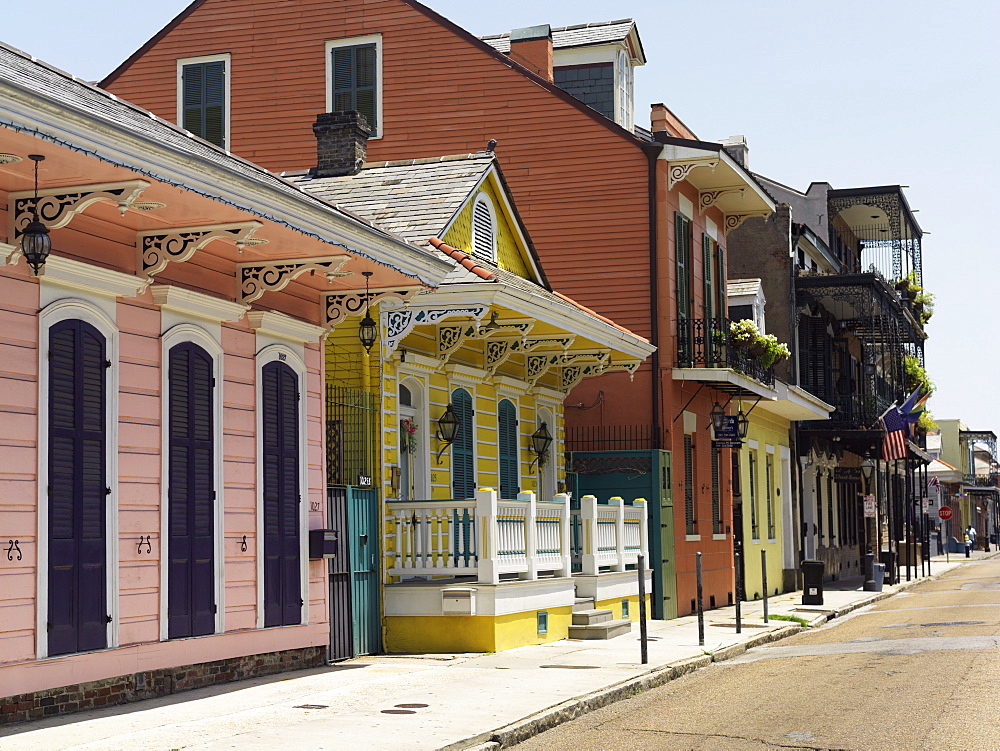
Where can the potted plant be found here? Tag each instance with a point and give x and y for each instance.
(743, 333)
(408, 434)
(774, 351)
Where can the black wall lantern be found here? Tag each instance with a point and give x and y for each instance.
(867, 467)
(447, 429)
(541, 439)
(717, 414)
(368, 330)
(35, 241)
(742, 424)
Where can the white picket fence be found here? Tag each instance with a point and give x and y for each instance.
(489, 537)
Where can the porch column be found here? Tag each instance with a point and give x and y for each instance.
(619, 505)
(565, 534)
(530, 533)
(486, 528)
(588, 515)
(643, 528)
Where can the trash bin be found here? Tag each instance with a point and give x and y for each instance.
(812, 582)
(888, 560)
(878, 576)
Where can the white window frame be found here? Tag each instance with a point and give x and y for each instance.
(376, 39)
(624, 108)
(419, 461)
(547, 479)
(483, 198)
(94, 313)
(224, 57)
(178, 334)
(268, 354)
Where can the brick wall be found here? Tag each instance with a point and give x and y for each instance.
(151, 684)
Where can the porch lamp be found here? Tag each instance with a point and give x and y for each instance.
(447, 429)
(541, 439)
(742, 424)
(718, 415)
(368, 330)
(867, 467)
(35, 241)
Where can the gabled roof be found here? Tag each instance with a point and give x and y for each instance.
(738, 287)
(587, 34)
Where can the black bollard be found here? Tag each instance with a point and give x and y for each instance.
(701, 610)
(641, 566)
(763, 579)
(739, 596)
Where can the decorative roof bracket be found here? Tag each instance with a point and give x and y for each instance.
(451, 337)
(679, 169)
(498, 351)
(257, 278)
(399, 323)
(735, 220)
(157, 248)
(57, 206)
(340, 305)
(708, 198)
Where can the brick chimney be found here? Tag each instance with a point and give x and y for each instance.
(662, 120)
(738, 149)
(532, 48)
(341, 143)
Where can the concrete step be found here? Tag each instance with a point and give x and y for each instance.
(583, 603)
(605, 630)
(591, 617)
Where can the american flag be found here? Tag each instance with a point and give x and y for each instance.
(934, 482)
(894, 425)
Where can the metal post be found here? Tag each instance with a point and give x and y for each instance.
(739, 596)
(701, 610)
(641, 566)
(763, 579)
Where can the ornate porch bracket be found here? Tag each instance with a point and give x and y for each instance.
(399, 323)
(451, 337)
(536, 366)
(339, 305)
(498, 351)
(708, 198)
(157, 248)
(532, 343)
(507, 327)
(58, 206)
(679, 169)
(628, 367)
(735, 220)
(257, 278)
(573, 374)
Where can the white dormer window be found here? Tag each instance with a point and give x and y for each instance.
(484, 234)
(624, 90)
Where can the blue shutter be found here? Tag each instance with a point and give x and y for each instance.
(204, 101)
(682, 255)
(77, 568)
(191, 493)
(355, 81)
(510, 475)
(463, 472)
(280, 419)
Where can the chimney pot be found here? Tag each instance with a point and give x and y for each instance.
(532, 48)
(341, 143)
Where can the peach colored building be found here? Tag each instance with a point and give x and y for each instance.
(161, 393)
(629, 221)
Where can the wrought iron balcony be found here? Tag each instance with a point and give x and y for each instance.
(989, 480)
(706, 343)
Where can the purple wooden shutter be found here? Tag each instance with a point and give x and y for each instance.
(191, 493)
(280, 419)
(77, 600)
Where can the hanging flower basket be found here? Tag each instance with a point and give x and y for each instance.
(758, 348)
(408, 435)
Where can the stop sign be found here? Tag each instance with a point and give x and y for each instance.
(945, 513)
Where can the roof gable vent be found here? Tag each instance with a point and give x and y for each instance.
(484, 242)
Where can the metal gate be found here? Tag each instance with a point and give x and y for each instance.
(363, 536)
(339, 572)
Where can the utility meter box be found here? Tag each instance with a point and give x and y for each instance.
(458, 601)
(322, 543)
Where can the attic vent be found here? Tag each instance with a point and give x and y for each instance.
(484, 229)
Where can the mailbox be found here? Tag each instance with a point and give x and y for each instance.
(322, 543)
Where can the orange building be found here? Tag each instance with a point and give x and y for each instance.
(631, 222)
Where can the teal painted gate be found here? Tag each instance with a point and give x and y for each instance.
(363, 546)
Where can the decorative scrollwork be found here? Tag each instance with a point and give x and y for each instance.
(573, 374)
(145, 541)
(708, 198)
(628, 367)
(679, 169)
(533, 343)
(400, 323)
(498, 351)
(450, 338)
(14, 546)
(537, 366)
(258, 278)
(735, 220)
(57, 206)
(156, 249)
(340, 305)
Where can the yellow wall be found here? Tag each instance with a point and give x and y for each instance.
(767, 430)
(405, 634)
(615, 606)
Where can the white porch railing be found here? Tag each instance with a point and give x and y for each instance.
(489, 537)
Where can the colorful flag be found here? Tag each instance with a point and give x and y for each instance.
(894, 424)
(934, 482)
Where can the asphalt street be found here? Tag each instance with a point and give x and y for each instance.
(920, 670)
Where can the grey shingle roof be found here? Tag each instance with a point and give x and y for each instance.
(574, 36)
(736, 287)
(413, 199)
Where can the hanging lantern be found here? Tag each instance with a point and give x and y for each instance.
(35, 241)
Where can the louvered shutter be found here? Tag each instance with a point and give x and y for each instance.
(77, 505)
(355, 81)
(507, 449)
(708, 283)
(483, 231)
(204, 101)
(682, 247)
(720, 279)
(191, 493)
(280, 420)
(815, 357)
(689, 509)
(463, 474)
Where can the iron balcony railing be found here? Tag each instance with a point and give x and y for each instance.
(706, 343)
(989, 480)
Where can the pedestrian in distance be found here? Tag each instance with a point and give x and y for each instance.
(970, 534)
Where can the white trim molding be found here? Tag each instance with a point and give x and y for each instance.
(196, 304)
(281, 326)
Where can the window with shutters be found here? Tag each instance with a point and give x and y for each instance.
(754, 522)
(354, 78)
(463, 471)
(507, 449)
(832, 525)
(769, 494)
(819, 505)
(413, 441)
(203, 97)
(690, 517)
(484, 232)
(682, 260)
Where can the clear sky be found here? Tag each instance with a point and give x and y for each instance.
(854, 93)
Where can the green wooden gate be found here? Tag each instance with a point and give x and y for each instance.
(363, 544)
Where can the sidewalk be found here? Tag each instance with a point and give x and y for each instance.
(438, 701)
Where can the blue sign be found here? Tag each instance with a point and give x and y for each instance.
(727, 444)
(729, 430)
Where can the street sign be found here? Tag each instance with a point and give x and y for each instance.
(945, 513)
(729, 430)
(727, 444)
(869, 507)
(925, 504)
(847, 474)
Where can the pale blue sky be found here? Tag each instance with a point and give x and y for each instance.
(854, 93)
